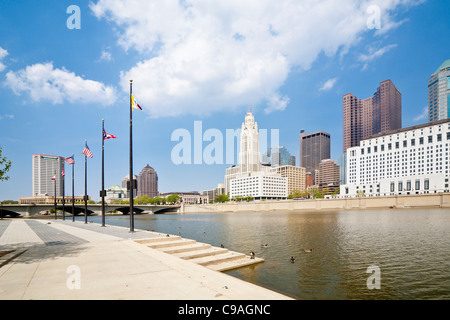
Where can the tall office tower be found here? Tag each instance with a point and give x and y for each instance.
(380, 113)
(329, 173)
(314, 147)
(278, 156)
(45, 167)
(439, 93)
(147, 182)
(126, 185)
(249, 156)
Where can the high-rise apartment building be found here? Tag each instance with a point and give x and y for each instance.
(380, 113)
(147, 182)
(314, 147)
(439, 93)
(46, 167)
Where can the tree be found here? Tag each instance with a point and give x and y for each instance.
(5, 164)
(221, 198)
(173, 198)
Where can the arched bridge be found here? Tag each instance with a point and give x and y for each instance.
(27, 210)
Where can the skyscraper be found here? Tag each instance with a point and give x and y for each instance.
(147, 182)
(45, 167)
(278, 156)
(314, 147)
(380, 113)
(249, 177)
(439, 93)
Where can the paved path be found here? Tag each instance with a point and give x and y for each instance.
(48, 259)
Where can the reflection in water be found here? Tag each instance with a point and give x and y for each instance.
(411, 247)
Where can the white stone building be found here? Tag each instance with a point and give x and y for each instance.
(412, 160)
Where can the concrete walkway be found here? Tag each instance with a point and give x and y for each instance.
(48, 259)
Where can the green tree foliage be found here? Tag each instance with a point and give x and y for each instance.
(5, 164)
(221, 198)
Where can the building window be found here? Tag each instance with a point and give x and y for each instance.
(413, 142)
(426, 184)
(408, 185)
(392, 186)
(397, 145)
(430, 139)
(400, 186)
(439, 137)
(417, 185)
(421, 140)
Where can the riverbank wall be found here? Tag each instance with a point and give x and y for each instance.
(440, 200)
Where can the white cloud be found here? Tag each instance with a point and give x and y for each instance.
(6, 116)
(422, 116)
(328, 85)
(374, 54)
(43, 82)
(202, 55)
(106, 55)
(3, 54)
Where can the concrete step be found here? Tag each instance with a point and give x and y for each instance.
(220, 258)
(173, 243)
(201, 253)
(158, 239)
(238, 263)
(186, 248)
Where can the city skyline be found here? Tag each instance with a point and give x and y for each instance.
(58, 83)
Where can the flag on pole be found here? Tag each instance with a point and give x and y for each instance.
(134, 104)
(87, 152)
(54, 177)
(62, 172)
(70, 160)
(107, 136)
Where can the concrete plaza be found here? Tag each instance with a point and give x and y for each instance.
(54, 259)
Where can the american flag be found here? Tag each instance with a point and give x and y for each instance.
(62, 172)
(70, 160)
(87, 152)
(107, 136)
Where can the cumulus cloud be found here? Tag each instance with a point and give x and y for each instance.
(43, 82)
(200, 56)
(328, 85)
(3, 54)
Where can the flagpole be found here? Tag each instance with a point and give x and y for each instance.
(55, 196)
(85, 185)
(73, 184)
(131, 160)
(63, 200)
(103, 173)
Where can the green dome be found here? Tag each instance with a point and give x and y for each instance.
(444, 65)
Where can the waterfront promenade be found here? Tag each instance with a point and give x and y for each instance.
(49, 259)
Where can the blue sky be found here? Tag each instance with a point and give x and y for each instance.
(198, 61)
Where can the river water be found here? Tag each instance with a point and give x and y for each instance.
(408, 249)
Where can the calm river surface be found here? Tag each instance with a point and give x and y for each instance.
(410, 247)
